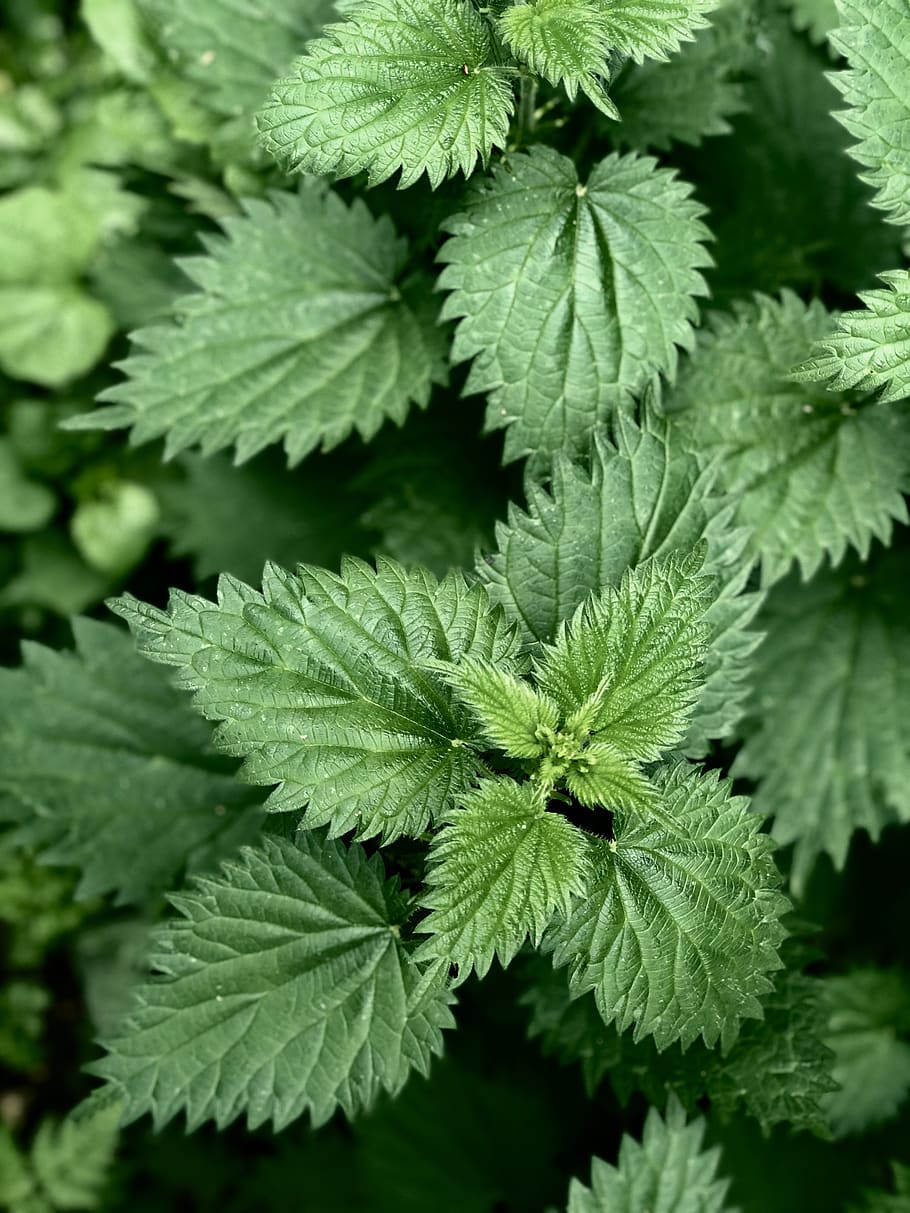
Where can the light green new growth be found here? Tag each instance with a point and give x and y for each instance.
(305, 327)
(284, 989)
(869, 1031)
(324, 684)
(627, 669)
(514, 717)
(875, 37)
(570, 294)
(401, 84)
(828, 735)
(694, 880)
(646, 496)
(869, 349)
(667, 1172)
(108, 771)
(498, 871)
(813, 473)
(565, 41)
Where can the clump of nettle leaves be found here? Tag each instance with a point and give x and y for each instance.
(526, 760)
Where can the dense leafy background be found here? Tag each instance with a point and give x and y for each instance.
(526, 437)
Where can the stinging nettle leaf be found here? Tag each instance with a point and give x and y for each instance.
(513, 715)
(869, 349)
(306, 327)
(629, 662)
(667, 1172)
(499, 869)
(324, 684)
(566, 42)
(646, 495)
(105, 769)
(827, 735)
(696, 92)
(814, 473)
(284, 988)
(680, 924)
(651, 28)
(570, 295)
(869, 1031)
(402, 84)
(874, 35)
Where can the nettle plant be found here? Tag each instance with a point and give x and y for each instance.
(528, 761)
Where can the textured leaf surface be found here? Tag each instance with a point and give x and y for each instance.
(667, 1172)
(304, 328)
(629, 661)
(869, 1031)
(514, 716)
(570, 295)
(875, 37)
(229, 51)
(319, 684)
(402, 84)
(565, 41)
(868, 349)
(695, 92)
(778, 1071)
(645, 496)
(284, 989)
(108, 771)
(651, 27)
(813, 472)
(499, 870)
(679, 926)
(827, 737)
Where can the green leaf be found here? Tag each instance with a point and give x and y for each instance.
(402, 84)
(513, 716)
(786, 204)
(813, 472)
(233, 519)
(679, 926)
(499, 869)
(874, 35)
(322, 684)
(641, 28)
(110, 771)
(869, 349)
(112, 531)
(565, 41)
(668, 1172)
(827, 735)
(817, 17)
(25, 505)
(71, 1161)
(645, 496)
(869, 1013)
(51, 334)
(570, 295)
(629, 662)
(305, 328)
(284, 989)
(696, 92)
(116, 26)
(228, 51)
(602, 775)
(778, 1071)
